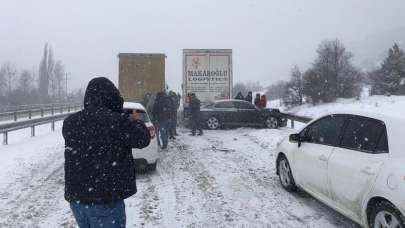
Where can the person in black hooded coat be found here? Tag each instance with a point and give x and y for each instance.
(99, 167)
(249, 97)
(239, 96)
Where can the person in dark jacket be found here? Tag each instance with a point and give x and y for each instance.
(99, 167)
(249, 97)
(263, 102)
(195, 115)
(257, 100)
(174, 106)
(161, 114)
(239, 96)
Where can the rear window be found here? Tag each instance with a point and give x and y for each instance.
(245, 105)
(144, 116)
(365, 134)
(225, 105)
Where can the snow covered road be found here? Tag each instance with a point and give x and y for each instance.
(222, 179)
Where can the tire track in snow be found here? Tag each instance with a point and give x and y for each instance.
(303, 198)
(33, 198)
(273, 205)
(219, 213)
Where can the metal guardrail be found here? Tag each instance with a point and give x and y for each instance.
(32, 123)
(7, 108)
(15, 115)
(293, 118)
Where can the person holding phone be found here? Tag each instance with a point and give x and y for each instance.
(99, 167)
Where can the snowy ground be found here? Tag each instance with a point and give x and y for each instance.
(222, 179)
(392, 105)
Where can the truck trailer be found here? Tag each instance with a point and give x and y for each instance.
(140, 74)
(208, 74)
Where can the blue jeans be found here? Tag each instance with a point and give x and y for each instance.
(172, 127)
(164, 132)
(106, 216)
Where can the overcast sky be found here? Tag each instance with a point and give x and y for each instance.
(267, 36)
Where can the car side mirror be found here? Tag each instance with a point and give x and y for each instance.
(295, 138)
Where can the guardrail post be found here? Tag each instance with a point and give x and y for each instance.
(52, 110)
(15, 116)
(32, 130)
(68, 108)
(5, 138)
(29, 114)
(53, 125)
(61, 110)
(292, 124)
(42, 112)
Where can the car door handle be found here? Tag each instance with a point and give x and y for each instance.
(323, 158)
(368, 171)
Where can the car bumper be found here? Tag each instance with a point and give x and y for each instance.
(149, 153)
(283, 122)
(402, 209)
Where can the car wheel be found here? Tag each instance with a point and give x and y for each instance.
(271, 122)
(152, 167)
(384, 214)
(213, 123)
(285, 174)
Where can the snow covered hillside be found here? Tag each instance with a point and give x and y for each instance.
(225, 178)
(392, 105)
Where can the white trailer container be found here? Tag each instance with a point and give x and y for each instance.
(208, 74)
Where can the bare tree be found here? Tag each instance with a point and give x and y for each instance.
(8, 74)
(240, 87)
(25, 81)
(276, 91)
(3, 81)
(336, 74)
(45, 72)
(57, 79)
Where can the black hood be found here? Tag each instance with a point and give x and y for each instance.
(102, 93)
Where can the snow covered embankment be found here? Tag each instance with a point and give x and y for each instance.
(392, 106)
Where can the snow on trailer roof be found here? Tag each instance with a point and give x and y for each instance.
(134, 105)
(149, 55)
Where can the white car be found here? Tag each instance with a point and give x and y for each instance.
(148, 156)
(355, 163)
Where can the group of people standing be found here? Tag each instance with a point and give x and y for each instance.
(260, 100)
(163, 109)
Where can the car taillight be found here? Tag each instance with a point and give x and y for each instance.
(152, 132)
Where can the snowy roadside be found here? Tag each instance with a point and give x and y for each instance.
(31, 189)
(392, 105)
(225, 178)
